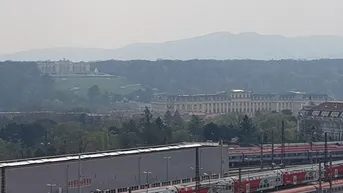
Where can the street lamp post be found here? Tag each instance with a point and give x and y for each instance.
(79, 174)
(192, 168)
(147, 180)
(248, 160)
(167, 167)
(99, 191)
(45, 144)
(209, 178)
(51, 186)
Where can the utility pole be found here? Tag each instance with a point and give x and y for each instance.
(209, 178)
(167, 167)
(272, 148)
(79, 174)
(67, 178)
(320, 177)
(147, 180)
(282, 143)
(197, 172)
(326, 156)
(139, 170)
(240, 179)
(261, 153)
(221, 158)
(331, 173)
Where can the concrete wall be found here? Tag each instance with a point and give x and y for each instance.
(115, 172)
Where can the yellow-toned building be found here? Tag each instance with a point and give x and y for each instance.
(63, 67)
(239, 101)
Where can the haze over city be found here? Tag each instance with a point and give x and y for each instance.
(37, 24)
(171, 96)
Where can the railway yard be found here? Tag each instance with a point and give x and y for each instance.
(173, 168)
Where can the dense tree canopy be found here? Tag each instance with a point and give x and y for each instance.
(22, 86)
(204, 76)
(46, 137)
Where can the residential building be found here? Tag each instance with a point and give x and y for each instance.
(327, 117)
(238, 101)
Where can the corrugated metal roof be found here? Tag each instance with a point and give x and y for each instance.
(15, 163)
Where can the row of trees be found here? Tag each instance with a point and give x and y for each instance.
(96, 96)
(46, 137)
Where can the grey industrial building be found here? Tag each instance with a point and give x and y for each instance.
(114, 171)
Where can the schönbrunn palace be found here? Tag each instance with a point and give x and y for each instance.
(239, 101)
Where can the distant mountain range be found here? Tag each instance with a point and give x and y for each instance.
(220, 46)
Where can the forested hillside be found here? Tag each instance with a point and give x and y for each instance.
(22, 86)
(199, 76)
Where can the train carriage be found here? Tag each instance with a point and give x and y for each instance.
(336, 170)
(167, 189)
(259, 182)
(337, 187)
(292, 154)
(300, 175)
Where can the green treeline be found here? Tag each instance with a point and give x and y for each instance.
(211, 76)
(46, 137)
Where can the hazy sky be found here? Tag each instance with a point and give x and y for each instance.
(29, 24)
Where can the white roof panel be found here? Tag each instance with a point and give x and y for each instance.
(130, 152)
(93, 155)
(111, 154)
(35, 161)
(17, 163)
(143, 150)
(161, 148)
(174, 147)
(72, 157)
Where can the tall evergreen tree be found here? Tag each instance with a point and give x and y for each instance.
(248, 131)
(195, 127)
(168, 118)
(177, 118)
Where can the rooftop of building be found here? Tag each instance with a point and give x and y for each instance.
(329, 106)
(103, 154)
(283, 95)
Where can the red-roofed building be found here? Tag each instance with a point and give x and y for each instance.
(315, 120)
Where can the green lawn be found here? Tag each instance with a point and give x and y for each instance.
(80, 85)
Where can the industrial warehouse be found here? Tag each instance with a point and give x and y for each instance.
(121, 170)
(113, 171)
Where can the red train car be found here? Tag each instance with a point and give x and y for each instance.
(337, 187)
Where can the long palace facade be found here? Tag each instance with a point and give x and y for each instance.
(239, 101)
(63, 67)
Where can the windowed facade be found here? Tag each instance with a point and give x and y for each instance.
(238, 101)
